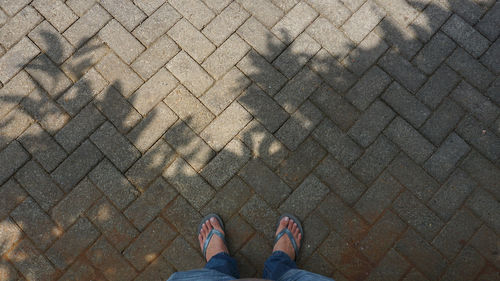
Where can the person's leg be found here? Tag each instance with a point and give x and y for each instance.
(278, 264)
(224, 263)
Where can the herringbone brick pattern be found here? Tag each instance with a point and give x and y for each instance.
(122, 122)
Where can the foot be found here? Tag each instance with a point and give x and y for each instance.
(216, 244)
(284, 244)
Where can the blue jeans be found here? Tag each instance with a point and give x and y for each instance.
(223, 267)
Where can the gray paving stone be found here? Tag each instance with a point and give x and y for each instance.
(300, 124)
(191, 40)
(153, 91)
(179, 247)
(305, 198)
(14, 91)
(16, 58)
(363, 21)
(155, 56)
(406, 104)
(342, 113)
(217, 5)
(494, 91)
(260, 215)
(150, 203)
(439, 85)
(116, 108)
(54, 45)
(466, 265)
(87, 25)
(432, 18)
(403, 39)
(121, 41)
(226, 164)
(12, 158)
(109, 261)
(35, 265)
(376, 157)
(225, 23)
(76, 166)
(195, 11)
(13, 125)
(13, 7)
(75, 203)
(148, 6)
(465, 35)
(330, 38)
(486, 207)
(262, 73)
(264, 10)
(189, 108)
(218, 133)
(491, 57)
(296, 55)
(371, 123)
(39, 185)
(442, 121)
(156, 24)
(45, 111)
(150, 165)
(159, 269)
(11, 195)
(80, 235)
(337, 143)
(125, 12)
(489, 25)
(189, 145)
(368, 88)
(470, 11)
(403, 71)
(484, 240)
(294, 22)
(377, 244)
(48, 75)
(80, 6)
(434, 53)
(263, 144)
(56, 12)
(475, 103)
(18, 26)
(35, 223)
(84, 58)
(359, 60)
(228, 201)
(151, 128)
(226, 56)
(479, 137)
(474, 72)
(482, 171)
(270, 114)
(260, 38)
(400, 10)
(225, 90)
(413, 177)
(333, 73)
(183, 216)
(189, 73)
(188, 183)
(10, 234)
(335, 11)
(116, 71)
(409, 140)
(43, 147)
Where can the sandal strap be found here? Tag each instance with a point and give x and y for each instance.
(292, 239)
(209, 237)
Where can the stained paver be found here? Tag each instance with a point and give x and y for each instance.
(123, 122)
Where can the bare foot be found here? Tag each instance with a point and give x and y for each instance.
(216, 244)
(284, 244)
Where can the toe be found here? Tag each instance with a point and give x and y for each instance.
(215, 224)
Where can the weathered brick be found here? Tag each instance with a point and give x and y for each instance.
(238, 232)
(409, 140)
(371, 123)
(263, 10)
(486, 207)
(434, 53)
(313, 224)
(191, 40)
(334, 11)
(359, 60)
(156, 24)
(13, 125)
(148, 6)
(482, 171)
(16, 58)
(189, 145)
(333, 73)
(262, 73)
(80, 6)
(228, 201)
(391, 267)
(402, 39)
(116, 71)
(155, 56)
(217, 5)
(368, 88)
(115, 227)
(474, 102)
(75, 203)
(265, 182)
(460, 228)
(55, 46)
(56, 12)
(149, 204)
(125, 12)
(13, 7)
(35, 223)
(7, 271)
(195, 11)
(342, 113)
(81, 269)
(403, 71)
(159, 269)
(18, 26)
(291, 61)
(183, 217)
(363, 21)
(260, 38)
(466, 266)
(225, 23)
(256, 249)
(400, 10)
(188, 183)
(11, 158)
(153, 91)
(48, 75)
(11, 194)
(489, 25)
(477, 134)
(294, 22)
(486, 242)
(432, 18)
(330, 38)
(491, 57)
(465, 35)
(81, 235)
(10, 235)
(30, 262)
(444, 160)
(14, 91)
(300, 124)
(263, 108)
(182, 255)
(149, 244)
(223, 128)
(83, 59)
(438, 86)
(43, 148)
(442, 121)
(121, 41)
(225, 57)
(412, 176)
(298, 89)
(260, 215)
(189, 73)
(116, 108)
(87, 25)
(305, 197)
(337, 143)
(110, 262)
(227, 163)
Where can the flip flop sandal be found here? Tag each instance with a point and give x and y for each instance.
(212, 232)
(289, 233)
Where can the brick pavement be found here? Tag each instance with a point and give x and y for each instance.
(122, 122)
